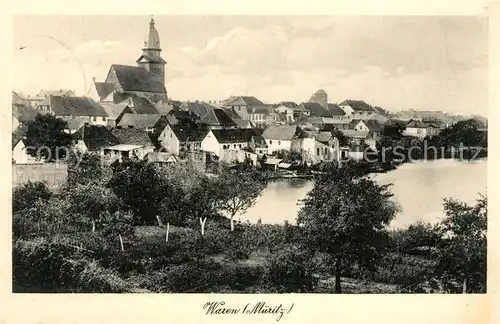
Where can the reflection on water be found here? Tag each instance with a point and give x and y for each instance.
(419, 188)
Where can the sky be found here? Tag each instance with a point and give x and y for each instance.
(414, 62)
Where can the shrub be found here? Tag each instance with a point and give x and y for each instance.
(290, 270)
(27, 195)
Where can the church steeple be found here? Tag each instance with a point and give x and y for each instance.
(151, 59)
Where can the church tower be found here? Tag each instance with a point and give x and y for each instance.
(150, 58)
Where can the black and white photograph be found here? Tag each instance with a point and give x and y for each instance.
(263, 154)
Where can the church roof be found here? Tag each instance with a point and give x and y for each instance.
(153, 36)
(104, 89)
(134, 78)
(151, 59)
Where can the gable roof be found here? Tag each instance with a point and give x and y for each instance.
(141, 121)
(76, 106)
(189, 132)
(323, 137)
(243, 123)
(260, 109)
(419, 124)
(355, 134)
(282, 132)
(243, 101)
(288, 104)
(373, 125)
(104, 89)
(60, 92)
(132, 136)
(16, 140)
(210, 115)
(74, 123)
(17, 98)
(315, 109)
(95, 137)
(134, 78)
(357, 105)
(140, 105)
(233, 135)
(112, 109)
(335, 110)
(23, 113)
(354, 122)
(160, 157)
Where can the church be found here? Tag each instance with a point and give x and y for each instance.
(146, 80)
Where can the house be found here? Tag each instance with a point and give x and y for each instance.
(243, 123)
(177, 115)
(82, 108)
(241, 105)
(214, 117)
(93, 138)
(278, 137)
(336, 112)
(262, 114)
(327, 123)
(19, 151)
(218, 141)
(357, 109)
(74, 125)
(18, 99)
(360, 137)
(289, 110)
(182, 136)
(329, 148)
(146, 122)
(161, 158)
(132, 142)
(420, 129)
(115, 111)
(371, 125)
(314, 109)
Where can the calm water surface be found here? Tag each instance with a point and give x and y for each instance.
(419, 188)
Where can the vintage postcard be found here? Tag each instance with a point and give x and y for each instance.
(269, 167)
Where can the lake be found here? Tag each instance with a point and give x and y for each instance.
(419, 188)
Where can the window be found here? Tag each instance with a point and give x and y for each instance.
(240, 145)
(234, 145)
(94, 118)
(279, 142)
(103, 119)
(270, 142)
(317, 151)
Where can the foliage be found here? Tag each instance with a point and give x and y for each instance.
(141, 187)
(416, 239)
(343, 140)
(87, 167)
(345, 215)
(463, 257)
(44, 218)
(117, 224)
(28, 194)
(91, 200)
(239, 191)
(288, 156)
(290, 270)
(47, 138)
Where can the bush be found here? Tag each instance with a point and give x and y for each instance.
(290, 270)
(27, 195)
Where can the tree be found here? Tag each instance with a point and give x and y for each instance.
(345, 215)
(241, 191)
(86, 168)
(91, 200)
(343, 140)
(117, 224)
(141, 187)
(28, 194)
(172, 209)
(463, 257)
(47, 138)
(203, 200)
